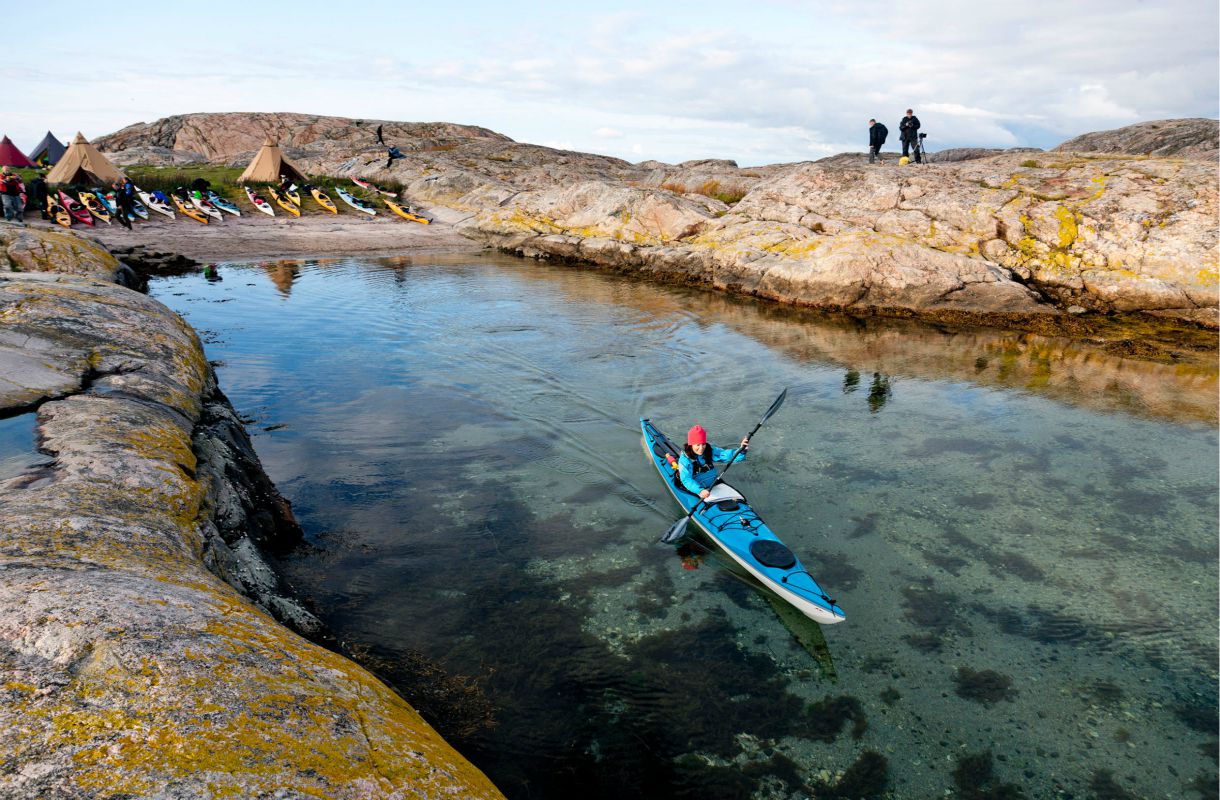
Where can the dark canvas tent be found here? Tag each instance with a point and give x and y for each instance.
(10, 156)
(82, 163)
(269, 165)
(48, 151)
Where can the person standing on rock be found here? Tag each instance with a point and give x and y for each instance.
(10, 184)
(908, 129)
(876, 137)
(124, 207)
(38, 194)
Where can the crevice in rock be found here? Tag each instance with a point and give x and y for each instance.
(244, 517)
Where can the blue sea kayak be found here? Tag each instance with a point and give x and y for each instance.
(728, 520)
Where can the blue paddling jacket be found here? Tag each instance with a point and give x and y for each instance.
(697, 475)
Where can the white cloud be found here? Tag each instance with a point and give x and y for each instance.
(787, 81)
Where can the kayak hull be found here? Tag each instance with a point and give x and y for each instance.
(355, 202)
(283, 202)
(223, 204)
(155, 204)
(363, 184)
(738, 530)
(258, 202)
(406, 213)
(320, 197)
(188, 208)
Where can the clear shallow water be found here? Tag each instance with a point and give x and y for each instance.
(1023, 533)
(18, 451)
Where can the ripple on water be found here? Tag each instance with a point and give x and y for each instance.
(462, 448)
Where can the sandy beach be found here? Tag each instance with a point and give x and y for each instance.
(255, 235)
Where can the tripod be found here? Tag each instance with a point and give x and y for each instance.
(919, 152)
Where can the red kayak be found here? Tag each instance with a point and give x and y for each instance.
(78, 212)
(363, 184)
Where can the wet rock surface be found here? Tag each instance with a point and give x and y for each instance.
(129, 663)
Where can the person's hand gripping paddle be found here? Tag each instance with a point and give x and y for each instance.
(678, 529)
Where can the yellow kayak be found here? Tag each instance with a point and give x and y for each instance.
(283, 202)
(323, 200)
(294, 195)
(188, 208)
(59, 213)
(406, 213)
(95, 206)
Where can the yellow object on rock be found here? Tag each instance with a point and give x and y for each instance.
(902, 162)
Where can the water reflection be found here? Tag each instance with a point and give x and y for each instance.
(1028, 578)
(878, 392)
(1069, 370)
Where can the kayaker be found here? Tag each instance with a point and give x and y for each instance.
(697, 465)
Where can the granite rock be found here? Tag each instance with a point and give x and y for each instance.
(127, 667)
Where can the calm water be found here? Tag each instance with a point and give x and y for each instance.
(1023, 533)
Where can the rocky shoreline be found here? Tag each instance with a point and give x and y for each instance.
(141, 653)
(1116, 222)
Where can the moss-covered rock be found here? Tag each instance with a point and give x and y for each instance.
(127, 668)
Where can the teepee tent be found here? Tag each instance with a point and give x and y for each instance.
(82, 163)
(10, 156)
(270, 165)
(48, 151)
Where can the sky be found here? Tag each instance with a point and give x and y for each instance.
(756, 81)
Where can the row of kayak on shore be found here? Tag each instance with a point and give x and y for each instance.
(203, 206)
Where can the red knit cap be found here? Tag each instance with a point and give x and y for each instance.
(696, 435)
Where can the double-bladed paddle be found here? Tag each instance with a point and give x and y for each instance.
(678, 529)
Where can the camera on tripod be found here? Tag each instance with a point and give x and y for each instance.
(919, 151)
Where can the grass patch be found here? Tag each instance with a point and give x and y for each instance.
(709, 188)
(166, 179)
(1031, 164)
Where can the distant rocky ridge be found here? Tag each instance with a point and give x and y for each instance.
(977, 233)
(190, 138)
(1183, 138)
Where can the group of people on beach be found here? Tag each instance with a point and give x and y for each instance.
(17, 198)
(908, 130)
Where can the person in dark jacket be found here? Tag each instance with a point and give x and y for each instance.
(876, 137)
(38, 195)
(124, 201)
(908, 128)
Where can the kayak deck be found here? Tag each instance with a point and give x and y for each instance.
(730, 522)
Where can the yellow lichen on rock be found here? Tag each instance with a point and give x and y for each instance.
(132, 669)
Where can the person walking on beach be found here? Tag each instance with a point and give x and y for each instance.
(876, 137)
(908, 129)
(10, 184)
